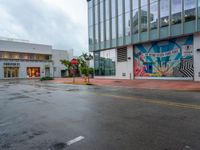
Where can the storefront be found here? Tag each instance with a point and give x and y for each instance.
(33, 72)
(11, 70)
(169, 59)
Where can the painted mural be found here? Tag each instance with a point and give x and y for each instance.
(171, 58)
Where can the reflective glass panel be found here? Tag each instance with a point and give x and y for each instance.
(189, 8)
(164, 13)
(176, 11)
(144, 15)
(154, 14)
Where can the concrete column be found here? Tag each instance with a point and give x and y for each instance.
(196, 54)
(1, 70)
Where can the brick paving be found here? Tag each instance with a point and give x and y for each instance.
(143, 84)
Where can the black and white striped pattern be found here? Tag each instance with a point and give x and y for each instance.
(187, 68)
(176, 72)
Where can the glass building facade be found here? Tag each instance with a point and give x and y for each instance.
(119, 23)
(114, 23)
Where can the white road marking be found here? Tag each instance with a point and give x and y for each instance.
(75, 140)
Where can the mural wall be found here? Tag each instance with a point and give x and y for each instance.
(171, 58)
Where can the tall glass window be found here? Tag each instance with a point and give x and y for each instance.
(120, 19)
(96, 14)
(154, 14)
(101, 11)
(135, 16)
(101, 20)
(105, 63)
(127, 18)
(120, 26)
(120, 6)
(102, 31)
(90, 16)
(90, 23)
(91, 35)
(108, 30)
(189, 8)
(164, 13)
(96, 22)
(90, 4)
(96, 33)
(113, 8)
(127, 6)
(107, 22)
(113, 28)
(113, 11)
(107, 9)
(176, 11)
(127, 24)
(144, 15)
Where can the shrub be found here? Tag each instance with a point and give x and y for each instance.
(46, 78)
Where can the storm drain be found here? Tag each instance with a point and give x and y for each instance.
(62, 146)
(58, 146)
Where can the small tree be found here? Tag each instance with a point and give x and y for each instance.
(68, 65)
(86, 58)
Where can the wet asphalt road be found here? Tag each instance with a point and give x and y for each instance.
(44, 116)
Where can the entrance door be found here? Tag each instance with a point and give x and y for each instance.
(11, 72)
(47, 72)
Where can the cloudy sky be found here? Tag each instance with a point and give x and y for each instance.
(61, 23)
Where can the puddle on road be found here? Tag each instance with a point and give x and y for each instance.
(72, 90)
(18, 97)
(58, 146)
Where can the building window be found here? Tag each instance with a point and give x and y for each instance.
(101, 11)
(120, 18)
(176, 11)
(189, 8)
(114, 28)
(90, 4)
(11, 72)
(33, 72)
(113, 5)
(120, 6)
(105, 63)
(102, 31)
(144, 15)
(127, 24)
(164, 13)
(113, 8)
(120, 26)
(135, 16)
(91, 28)
(154, 14)
(1, 54)
(122, 54)
(96, 33)
(90, 16)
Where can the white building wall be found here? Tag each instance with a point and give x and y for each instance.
(11, 46)
(58, 55)
(197, 57)
(124, 70)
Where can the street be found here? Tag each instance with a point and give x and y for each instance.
(38, 115)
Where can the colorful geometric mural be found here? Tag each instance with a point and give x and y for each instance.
(171, 58)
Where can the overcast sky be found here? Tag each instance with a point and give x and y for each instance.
(61, 23)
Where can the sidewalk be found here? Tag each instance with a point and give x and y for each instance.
(143, 84)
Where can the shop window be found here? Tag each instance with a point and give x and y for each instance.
(1, 54)
(33, 72)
